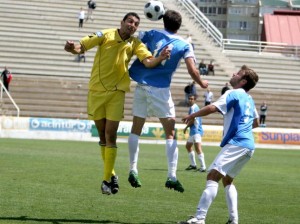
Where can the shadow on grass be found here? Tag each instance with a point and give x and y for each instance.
(155, 169)
(60, 221)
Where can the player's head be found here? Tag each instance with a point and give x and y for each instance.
(246, 78)
(172, 21)
(130, 23)
(131, 14)
(192, 99)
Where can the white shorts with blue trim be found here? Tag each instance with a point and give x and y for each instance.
(152, 101)
(231, 159)
(196, 138)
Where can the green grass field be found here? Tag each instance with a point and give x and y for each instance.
(58, 182)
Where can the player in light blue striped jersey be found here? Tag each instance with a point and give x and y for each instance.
(240, 117)
(195, 137)
(152, 95)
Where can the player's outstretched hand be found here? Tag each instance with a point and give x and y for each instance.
(166, 53)
(204, 84)
(69, 46)
(186, 119)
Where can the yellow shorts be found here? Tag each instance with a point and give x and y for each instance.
(109, 105)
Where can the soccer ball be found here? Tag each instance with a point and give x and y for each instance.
(154, 10)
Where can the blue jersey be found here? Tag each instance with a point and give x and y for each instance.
(239, 112)
(196, 128)
(161, 75)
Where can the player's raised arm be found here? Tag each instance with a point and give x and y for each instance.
(204, 111)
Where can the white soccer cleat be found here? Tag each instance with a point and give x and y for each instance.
(193, 220)
(232, 222)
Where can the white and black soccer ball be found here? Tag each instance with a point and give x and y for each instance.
(154, 10)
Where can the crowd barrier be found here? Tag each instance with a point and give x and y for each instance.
(84, 130)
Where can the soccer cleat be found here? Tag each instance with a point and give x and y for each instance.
(191, 167)
(231, 221)
(176, 185)
(105, 188)
(134, 179)
(193, 220)
(114, 186)
(201, 170)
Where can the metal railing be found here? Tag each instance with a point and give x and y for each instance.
(9, 96)
(260, 47)
(292, 5)
(205, 23)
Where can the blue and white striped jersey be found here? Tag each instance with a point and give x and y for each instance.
(196, 128)
(156, 41)
(239, 111)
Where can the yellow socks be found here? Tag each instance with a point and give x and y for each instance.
(103, 158)
(109, 156)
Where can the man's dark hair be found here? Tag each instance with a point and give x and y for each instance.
(172, 21)
(131, 14)
(194, 95)
(250, 76)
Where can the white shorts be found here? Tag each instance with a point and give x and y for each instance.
(152, 101)
(231, 159)
(196, 138)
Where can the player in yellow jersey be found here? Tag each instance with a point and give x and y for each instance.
(108, 83)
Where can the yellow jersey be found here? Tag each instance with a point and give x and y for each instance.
(110, 68)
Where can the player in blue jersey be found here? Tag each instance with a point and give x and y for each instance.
(152, 95)
(240, 117)
(195, 137)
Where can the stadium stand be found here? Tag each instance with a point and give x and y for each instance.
(48, 82)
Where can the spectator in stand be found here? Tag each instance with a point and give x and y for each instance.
(188, 90)
(81, 16)
(208, 97)
(6, 77)
(81, 57)
(263, 114)
(91, 7)
(194, 89)
(225, 88)
(211, 68)
(202, 68)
